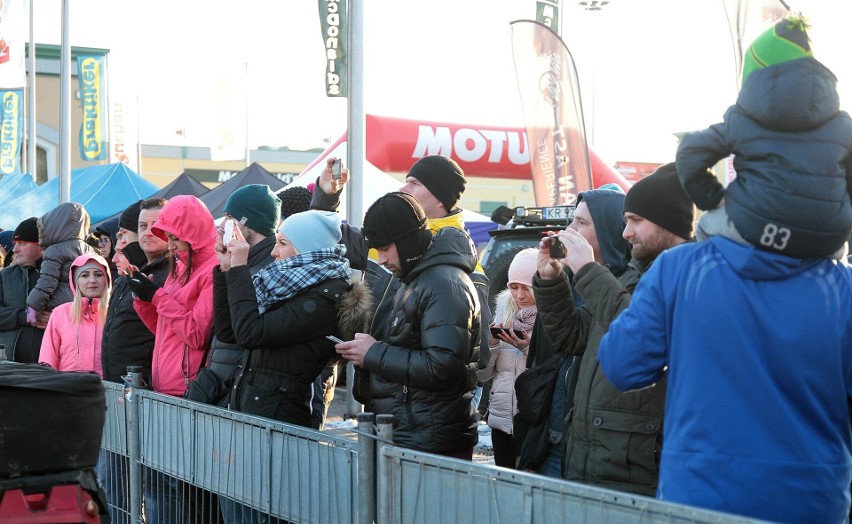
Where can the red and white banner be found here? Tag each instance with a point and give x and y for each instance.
(394, 144)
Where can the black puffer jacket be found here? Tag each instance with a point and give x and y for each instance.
(423, 369)
(20, 341)
(285, 348)
(126, 340)
(225, 358)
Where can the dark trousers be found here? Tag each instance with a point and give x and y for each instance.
(505, 451)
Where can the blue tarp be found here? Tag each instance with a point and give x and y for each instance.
(13, 186)
(104, 190)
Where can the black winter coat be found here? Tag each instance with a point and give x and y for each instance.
(126, 340)
(20, 341)
(285, 348)
(422, 370)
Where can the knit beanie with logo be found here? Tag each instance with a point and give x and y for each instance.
(442, 176)
(786, 40)
(660, 198)
(256, 207)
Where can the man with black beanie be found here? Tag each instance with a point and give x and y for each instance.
(437, 183)
(20, 340)
(602, 420)
(428, 347)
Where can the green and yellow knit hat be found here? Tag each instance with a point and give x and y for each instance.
(786, 40)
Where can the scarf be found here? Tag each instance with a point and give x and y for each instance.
(284, 279)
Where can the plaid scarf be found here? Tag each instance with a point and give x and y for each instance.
(283, 279)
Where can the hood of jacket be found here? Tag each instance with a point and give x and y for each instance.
(607, 209)
(67, 221)
(791, 96)
(188, 219)
(83, 260)
(751, 263)
(110, 229)
(450, 246)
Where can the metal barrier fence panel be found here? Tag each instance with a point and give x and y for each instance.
(427, 488)
(195, 453)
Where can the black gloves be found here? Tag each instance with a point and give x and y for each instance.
(134, 254)
(142, 286)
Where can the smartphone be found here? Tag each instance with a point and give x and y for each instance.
(557, 248)
(228, 231)
(334, 339)
(496, 331)
(335, 170)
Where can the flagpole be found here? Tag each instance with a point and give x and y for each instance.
(357, 140)
(32, 161)
(248, 148)
(138, 138)
(65, 108)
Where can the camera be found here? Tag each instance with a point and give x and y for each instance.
(557, 248)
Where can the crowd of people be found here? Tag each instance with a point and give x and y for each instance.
(709, 372)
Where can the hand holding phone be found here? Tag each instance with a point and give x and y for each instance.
(496, 331)
(557, 248)
(334, 339)
(336, 168)
(228, 233)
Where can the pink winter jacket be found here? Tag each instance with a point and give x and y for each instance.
(181, 314)
(69, 347)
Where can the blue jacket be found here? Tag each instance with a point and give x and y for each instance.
(759, 354)
(793, 158)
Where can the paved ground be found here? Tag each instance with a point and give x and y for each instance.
(336, 424)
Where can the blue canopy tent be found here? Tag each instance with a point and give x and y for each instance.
(13, 186)
(103, 190)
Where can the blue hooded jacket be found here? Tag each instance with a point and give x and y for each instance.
(793, 158)
(759, 353)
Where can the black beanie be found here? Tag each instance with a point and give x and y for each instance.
(442, 176)
(398, 218)
(129, 218)
(27, 231)
(660, 198)
(296, 199)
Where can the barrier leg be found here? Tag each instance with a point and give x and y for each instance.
(366, 469)
(133, 381)
(384, 423)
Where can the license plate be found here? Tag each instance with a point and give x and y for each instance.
(557, 212)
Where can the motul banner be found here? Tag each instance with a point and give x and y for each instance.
(90, 73)
(11, 130)
(14, 21)
(395, 144)
(550, 96)
(332, 15)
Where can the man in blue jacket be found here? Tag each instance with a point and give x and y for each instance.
(756, 348)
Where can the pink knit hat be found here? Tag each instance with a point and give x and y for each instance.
(523, 267)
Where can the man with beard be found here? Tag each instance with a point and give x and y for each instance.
(612, 439)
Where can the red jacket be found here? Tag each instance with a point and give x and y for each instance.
(181, 314)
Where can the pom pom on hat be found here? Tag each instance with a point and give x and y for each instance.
(660, 198)
(786, 40)
(296, 199)
(255, 206)
(523, 267)
(312, 230)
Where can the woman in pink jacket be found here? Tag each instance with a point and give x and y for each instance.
(180, 314)
(72, 339)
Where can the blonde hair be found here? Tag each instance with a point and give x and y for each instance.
(505, 308)
(76, 313)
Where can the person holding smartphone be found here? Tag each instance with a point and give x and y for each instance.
(514, 316)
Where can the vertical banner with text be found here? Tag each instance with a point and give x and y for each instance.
(11, 130)
(553, 114)
(332, 15)
(90, 73)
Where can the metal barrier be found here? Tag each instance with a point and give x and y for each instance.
(269, 469)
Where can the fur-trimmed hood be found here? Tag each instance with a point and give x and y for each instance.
(354, 310)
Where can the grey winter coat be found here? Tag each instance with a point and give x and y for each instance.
(423, 368)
